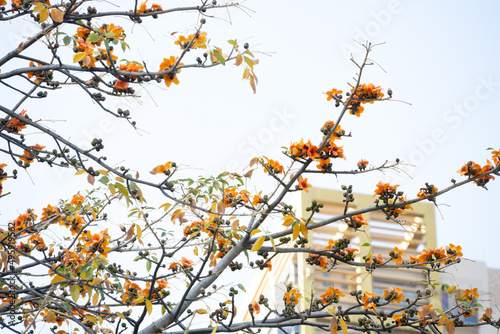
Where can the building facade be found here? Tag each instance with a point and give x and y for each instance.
(416, 233)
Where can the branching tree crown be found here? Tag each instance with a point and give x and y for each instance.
(85, 280)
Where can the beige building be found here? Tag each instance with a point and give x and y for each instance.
(415, 234)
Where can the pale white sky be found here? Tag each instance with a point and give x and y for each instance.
(439, 56)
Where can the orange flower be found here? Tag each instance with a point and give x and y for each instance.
(331, 94)
(362, 164)
(368, 93)
(120, 85)
(16, 125)
(324, 164)
(470, 295)
(131, 66)
(394, 295)
(336, 151)
(144, 9)
(400, 318)
(331, 294)
(77, 199)
(162, 168)
(426, 313)
(470, 169)
(358, 221)
(397, 255)
(29, 157)
(369, 300)
(496, 156)
(49, 211)
(487, 314)
(292, 297)
(269, 265)
(303, 184)
(328, 126)
(195, 41)
(454, 251)
(186, 263)
(169, 63)
(385, 189)
(256, 307)
(273, 167)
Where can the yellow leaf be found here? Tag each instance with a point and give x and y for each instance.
(451, 289)
(80, 172)
(254, 232)
(165, 206)
(331, 311)
(258, 244)
(239, 60)
(175, 214)
(215, 330)
(95, 298)
(103, 172)
(343, 325)
(112, 188)
(201, 311)
(139, 232)
(120, 315)
(303, 230)
(296, 231)
(288, 220)
(44, 15)
(38, 8)
(333, 325)
(56, 279)
(56, 15)
(92, 319)
(149, 306)
(450, 327)
(75, 292)
(272, 243)
(79, 56)
(50, 316)
(119, 179)
(100, 320)
(252, 83)
(140, 299)
(442, 320)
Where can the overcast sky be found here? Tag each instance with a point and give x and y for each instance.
(440, 58)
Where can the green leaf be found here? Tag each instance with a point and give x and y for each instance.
(365, 244)
(148, 265)
(241, 287)
(232, 42)
(219, 57)
(249, 53)
(124, 47)
(137, 258)
(110, 34)
(93, 37)
(104, 180)
(66, 40)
